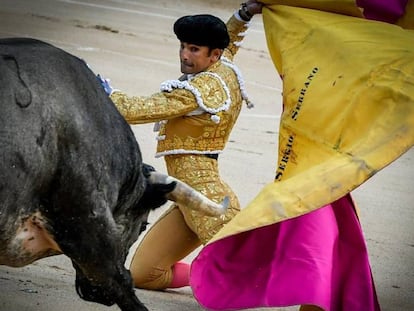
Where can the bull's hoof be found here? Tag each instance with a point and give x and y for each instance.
(140, 308)
(95, 294)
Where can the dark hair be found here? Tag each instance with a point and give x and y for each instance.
(203, 29)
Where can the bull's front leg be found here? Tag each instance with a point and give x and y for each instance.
(95, 250)
(123, 296)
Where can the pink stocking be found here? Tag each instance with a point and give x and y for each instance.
(181, 275)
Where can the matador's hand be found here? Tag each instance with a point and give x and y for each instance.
(254, 7)
(250, 8)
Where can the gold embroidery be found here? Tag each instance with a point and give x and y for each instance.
(202, 174)
(160, 106)
(211, 89)
(200, 133)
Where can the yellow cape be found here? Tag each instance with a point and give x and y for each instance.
(348, 95)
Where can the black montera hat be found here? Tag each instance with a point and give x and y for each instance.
(203, 29)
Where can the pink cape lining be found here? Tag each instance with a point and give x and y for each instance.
(383, 10)
(319, 258)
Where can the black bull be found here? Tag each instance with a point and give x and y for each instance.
(72, 179)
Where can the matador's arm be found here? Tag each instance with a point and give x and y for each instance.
(236, 28)
(160, 106)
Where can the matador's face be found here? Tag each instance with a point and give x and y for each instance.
(196, 58)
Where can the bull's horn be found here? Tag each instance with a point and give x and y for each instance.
(189, 197)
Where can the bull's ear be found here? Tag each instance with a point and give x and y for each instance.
(143, 226)
(147, 169)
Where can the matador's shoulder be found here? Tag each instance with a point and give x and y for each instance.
(213, 93)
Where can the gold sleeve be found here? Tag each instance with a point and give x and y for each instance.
(236, 30)
(160, 106)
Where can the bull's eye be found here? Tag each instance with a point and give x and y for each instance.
(143, 226)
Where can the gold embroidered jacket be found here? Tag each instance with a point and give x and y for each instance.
(195, 115)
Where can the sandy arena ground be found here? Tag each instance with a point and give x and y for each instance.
(131, 42)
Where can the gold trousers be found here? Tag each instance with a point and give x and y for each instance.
(180, 230)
